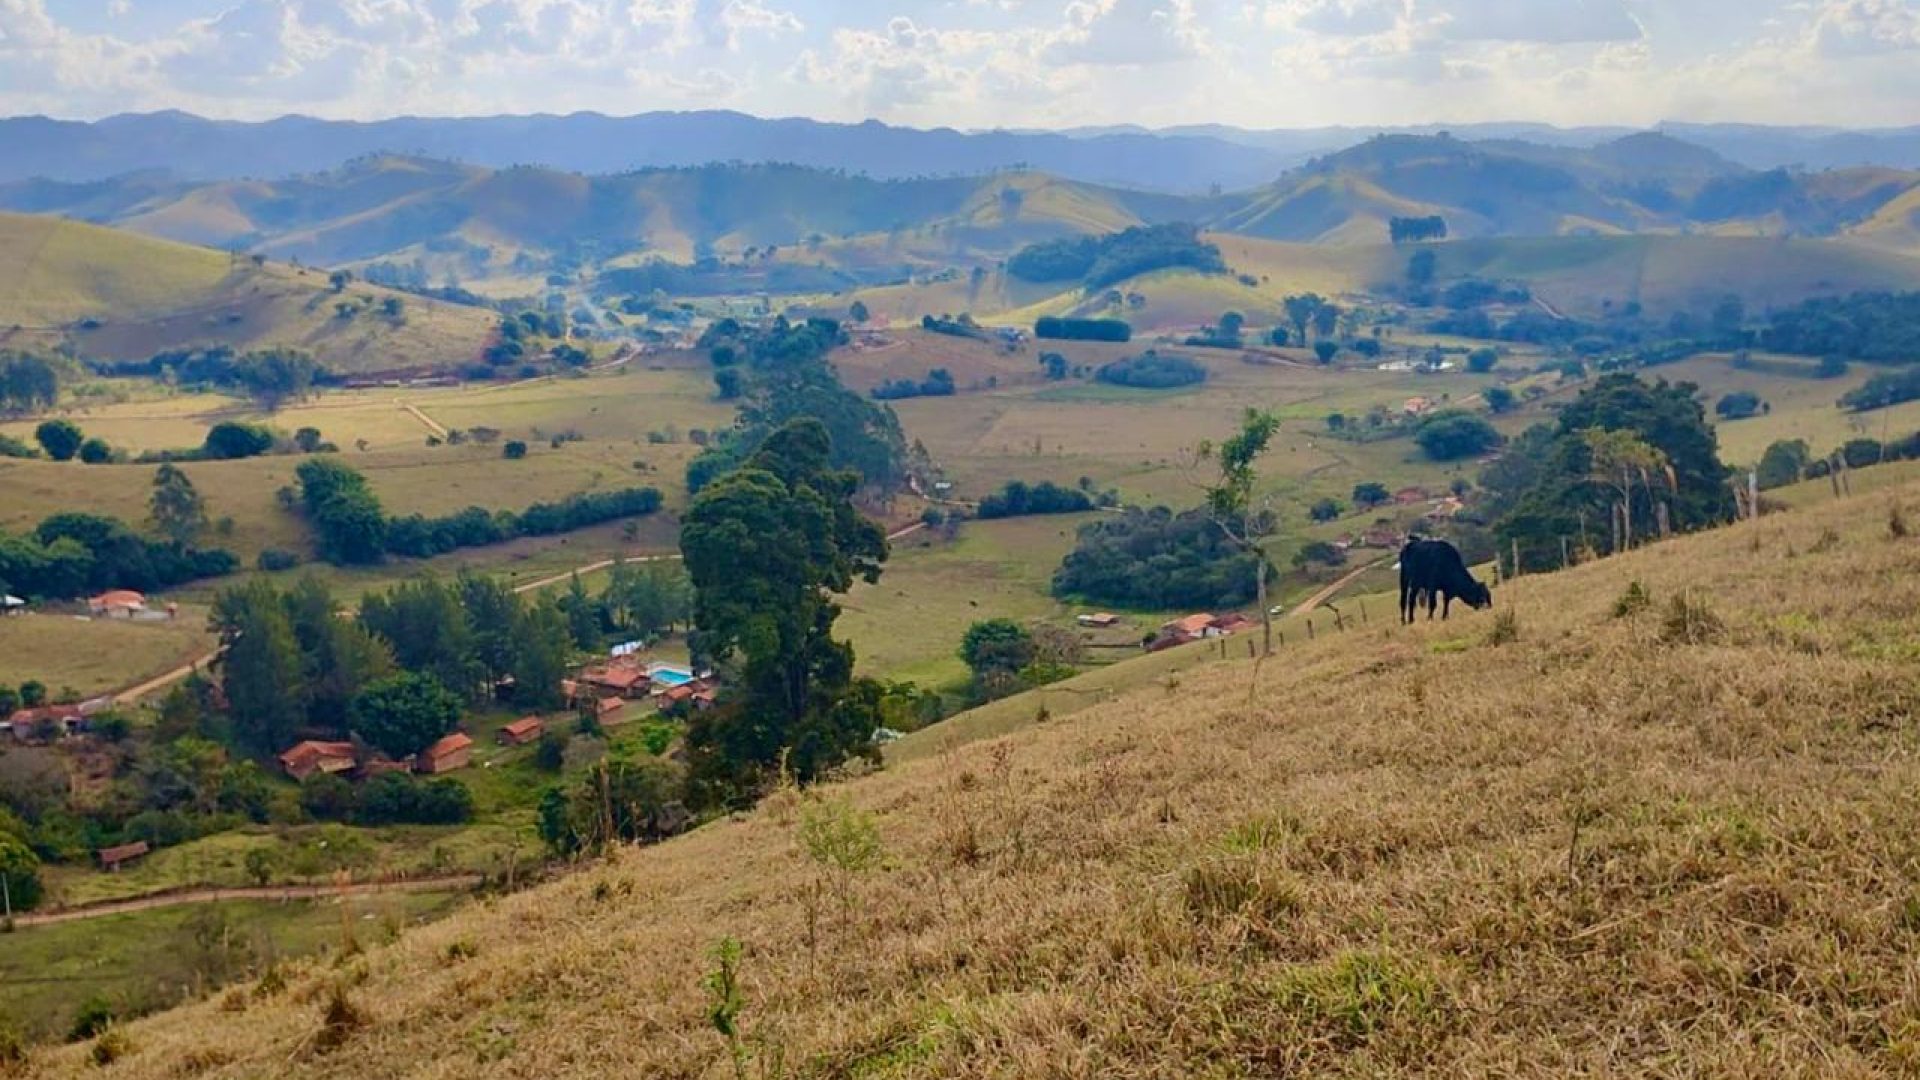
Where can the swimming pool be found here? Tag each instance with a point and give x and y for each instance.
(671, 676)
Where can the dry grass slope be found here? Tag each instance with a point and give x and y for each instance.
(1679, 842)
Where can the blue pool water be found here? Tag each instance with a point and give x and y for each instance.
(671, 677)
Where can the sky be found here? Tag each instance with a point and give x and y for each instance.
(978, 63)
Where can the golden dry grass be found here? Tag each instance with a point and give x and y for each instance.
(93, 656)
(1603, 848)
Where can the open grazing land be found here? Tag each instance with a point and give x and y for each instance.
(1551, 839)
(949, 603)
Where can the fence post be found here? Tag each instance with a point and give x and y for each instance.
(1516, 556)
(1309, 628)
(1563, 553)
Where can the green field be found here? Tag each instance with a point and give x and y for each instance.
(93, 656)
(142, 961)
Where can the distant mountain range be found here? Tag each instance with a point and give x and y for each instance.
(1186, 160)
(475, 222)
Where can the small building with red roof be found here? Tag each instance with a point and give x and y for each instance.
(452, 752)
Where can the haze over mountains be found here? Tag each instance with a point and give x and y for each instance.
(1188, 159)
(476, 221)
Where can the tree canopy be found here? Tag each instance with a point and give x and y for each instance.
(768, 547)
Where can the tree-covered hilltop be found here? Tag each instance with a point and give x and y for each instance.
(1099, 261)
(1883, 327)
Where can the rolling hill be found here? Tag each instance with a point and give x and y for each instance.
(1559, 839)
(112, 294)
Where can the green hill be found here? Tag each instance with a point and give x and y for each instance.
(112, 294)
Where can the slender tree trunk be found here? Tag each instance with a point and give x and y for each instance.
(1266, 611)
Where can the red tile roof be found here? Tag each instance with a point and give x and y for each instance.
(1194, 625)
(308, 754)
(117, 598)
(526, 725)
(451, 744)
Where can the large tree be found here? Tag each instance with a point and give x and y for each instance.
(404, 714)
(175, 508)
(61, 439)
(263, 672)
(768, 547)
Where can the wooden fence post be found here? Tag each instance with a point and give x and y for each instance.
(1516, 556)
(1309, 628)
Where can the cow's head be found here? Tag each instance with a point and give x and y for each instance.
(1478, 596)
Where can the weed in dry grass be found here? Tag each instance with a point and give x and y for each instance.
(13, 1051)
(1505, 629)
(234, 1001)
(1827, 542)
(109, 1046)
(273, 982)
(460, 950)
(1690, 621)
(1636, 599)
(1897, 527)
(338, 1021)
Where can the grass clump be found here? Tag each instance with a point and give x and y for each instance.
(1225, 888)
(460, 950)
(1632, 602)
(1897, 527)
(1505, 630)
(1690, 621)
(1356, 998)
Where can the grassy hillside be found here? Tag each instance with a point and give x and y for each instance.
(116, 295)
(1680, 842)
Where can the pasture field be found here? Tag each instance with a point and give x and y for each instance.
(909, 625)
(1802, 407)
(1531, 835)
(1142, 441)
(145, 960)
(93, 656)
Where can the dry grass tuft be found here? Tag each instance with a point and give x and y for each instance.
(1897, 527)
(109, 1046)
(1635, 600)
(1690, 621)
(1505, 629)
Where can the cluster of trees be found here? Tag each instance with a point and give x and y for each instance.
(938, 383)
(1884, 389)
(1626, 459)
(396, 674)
(1017, 498)
(1740, 405)
(1788, 461)
(1883, 327)
(1057, 328)
(352, 529)
(269, 376)
(1308, 311)
(963, 326)
(788, 377)
(71, 554)
(1412, 230)
(387, 799)
(1099, 261)
(1452, 435)
(518, 339)
(1006, 657)
(27, 382)
(1157, 560)
(1470, 293)
(63, 441)
(1152, 370)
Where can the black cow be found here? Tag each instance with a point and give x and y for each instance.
(1434, 568)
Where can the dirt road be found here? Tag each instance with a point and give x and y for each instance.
(1333, 590)
(161, 682)
(447, 883)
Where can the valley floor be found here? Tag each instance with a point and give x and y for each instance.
(1569, 836)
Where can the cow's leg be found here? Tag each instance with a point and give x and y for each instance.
(1406, 604)
(1446, 607)
(1433, 601)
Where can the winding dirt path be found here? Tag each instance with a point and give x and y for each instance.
(186, 897)
(1333, 590)
(432, 425)
(161, 682)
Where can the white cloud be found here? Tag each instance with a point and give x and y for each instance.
(1548, 21)
(1129, 32)
(1862, 27)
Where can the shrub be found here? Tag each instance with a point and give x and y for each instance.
(227, 441)
(1018, 499)
(95, 451)
(1153, 371)
(514, 450)
(1689, 621)
(273, 560)
(1082, 329)
(1632, 602)
(1452, 436)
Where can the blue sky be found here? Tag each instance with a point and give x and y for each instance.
(978, 63)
